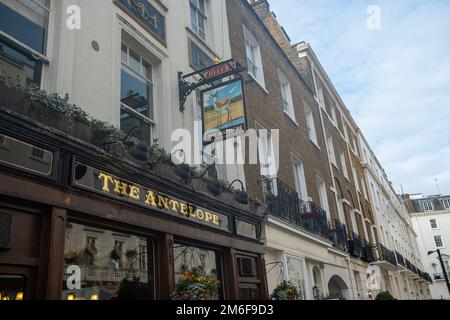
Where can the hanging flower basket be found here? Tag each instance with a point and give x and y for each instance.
(285, 291)
(196, 285)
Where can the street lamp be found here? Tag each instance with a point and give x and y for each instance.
(443, 267)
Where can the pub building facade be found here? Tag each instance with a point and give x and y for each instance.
(85, 212)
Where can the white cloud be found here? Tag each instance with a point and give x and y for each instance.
(395, 81)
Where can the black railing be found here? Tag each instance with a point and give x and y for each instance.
(355, 245)
(428, 277)
(340, 235)
(283, 201)
(314, 219)
(408, 265)
(384, 254)
(368, 254)
(400, 259)
(440, 276)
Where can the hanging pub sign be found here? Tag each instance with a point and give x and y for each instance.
(207, 77)
(106, 184)
(223, 108)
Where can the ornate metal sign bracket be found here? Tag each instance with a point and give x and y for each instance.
(207, 77)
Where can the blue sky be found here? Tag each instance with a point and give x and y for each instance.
(395, 80)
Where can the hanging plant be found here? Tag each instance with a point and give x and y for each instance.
(196, 285)
(285, 291)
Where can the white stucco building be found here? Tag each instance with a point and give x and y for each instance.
(431, 220)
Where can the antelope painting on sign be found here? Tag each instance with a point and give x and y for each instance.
(223, 107)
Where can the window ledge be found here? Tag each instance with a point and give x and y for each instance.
(315, 143)
(258, 82)
(291, 118)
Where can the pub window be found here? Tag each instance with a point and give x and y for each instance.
(137, 103)
(25, 156)
(12, 287)
(95, 262)
(22, 49)
(199, 59)
(188, 259)
(198, 17)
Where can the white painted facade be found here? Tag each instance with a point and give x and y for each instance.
(425, 236)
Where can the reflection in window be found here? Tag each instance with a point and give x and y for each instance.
(15, 56)
(25, 156)
(188, 258)
(110, 269)
(136, 94)
(12, 287)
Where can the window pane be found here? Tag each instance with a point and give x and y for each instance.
(135, 62)
(25, 21)
(12, 287)
(187, 258)
(147, 70)
(124, 54)
(25, 156)
(110, 265)
(128, 121)
(18, 64)
(136, 93)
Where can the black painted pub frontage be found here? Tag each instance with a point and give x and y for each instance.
(82, 219)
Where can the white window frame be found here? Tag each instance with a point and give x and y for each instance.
(355, 178)
(139, 75)
(199, 14)
(427, 205)
(446, 204)
(346, 136)
(298, 169)
(344, 165)
(286, 96)
(434, 224)
(437, 240)
(310, 124)
(322, 189)
(268, 150)
(255, 59)
(363, 185)
(331, 151)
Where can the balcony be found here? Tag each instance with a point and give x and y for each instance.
(282, 201)
(440, 276)
(386, 258)
(400, 259)
(340, 235)
(368, 254)
(355, 246)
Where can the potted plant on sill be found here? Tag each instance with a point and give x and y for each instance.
(196, 285)
(285, 291)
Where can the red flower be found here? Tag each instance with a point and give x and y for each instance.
(308, 214)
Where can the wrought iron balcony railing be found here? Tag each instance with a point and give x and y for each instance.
(355, 245)
(314, 219)
(428, 277)
(283, 201)
(368, 254)
(400, 259)
(340, 235)
(440, 276)
(408, 264)
(384, 254)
